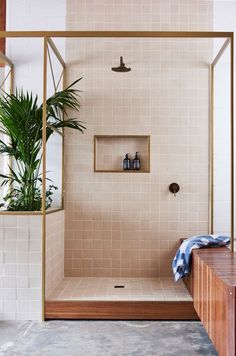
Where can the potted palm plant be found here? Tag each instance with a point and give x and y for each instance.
(21, 122)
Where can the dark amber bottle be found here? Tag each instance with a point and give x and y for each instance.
(126, 163)
(136, 162)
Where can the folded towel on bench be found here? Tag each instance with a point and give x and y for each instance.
(181, 261)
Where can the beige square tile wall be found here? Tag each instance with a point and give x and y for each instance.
(20, 267)
(129, 224)
(54, 250)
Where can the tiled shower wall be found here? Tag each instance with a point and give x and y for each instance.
(54, 250)
(20, 267)
(129, 224)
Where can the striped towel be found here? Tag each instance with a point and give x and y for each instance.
(181, 262)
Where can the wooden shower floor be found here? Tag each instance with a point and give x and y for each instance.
(119, 289)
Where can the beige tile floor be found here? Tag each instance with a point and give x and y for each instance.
(95, 288)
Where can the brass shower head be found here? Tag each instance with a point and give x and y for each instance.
(121, 68)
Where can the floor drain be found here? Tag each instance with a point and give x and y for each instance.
(119, 286)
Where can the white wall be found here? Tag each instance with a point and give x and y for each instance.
(27, 55)
(222, 156)
(36, 15)
(224, 20)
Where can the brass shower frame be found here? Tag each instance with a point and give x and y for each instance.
(47, 37)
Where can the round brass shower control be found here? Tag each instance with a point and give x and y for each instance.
(174, 188)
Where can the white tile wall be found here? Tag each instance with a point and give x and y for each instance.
(20, 267)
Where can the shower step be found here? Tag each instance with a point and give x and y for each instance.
(121, 310)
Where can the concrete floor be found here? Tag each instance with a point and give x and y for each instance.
(104, 338)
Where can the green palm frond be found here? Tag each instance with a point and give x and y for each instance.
(21, 121)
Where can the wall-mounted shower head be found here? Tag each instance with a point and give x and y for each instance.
(121, 68)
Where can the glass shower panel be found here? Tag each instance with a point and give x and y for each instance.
(54, 169)
(54, 147)
(6, 73)
(221, 149)
(28, 80)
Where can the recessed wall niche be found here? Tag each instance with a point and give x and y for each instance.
(110, 150)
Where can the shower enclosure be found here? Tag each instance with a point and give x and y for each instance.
(108, 240)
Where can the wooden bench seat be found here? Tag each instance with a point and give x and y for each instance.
(212, 284)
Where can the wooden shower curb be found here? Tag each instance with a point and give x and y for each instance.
(121, 310)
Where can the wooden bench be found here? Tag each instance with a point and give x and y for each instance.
(212, 284)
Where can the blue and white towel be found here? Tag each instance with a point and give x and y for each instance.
(181, 262)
